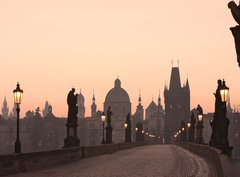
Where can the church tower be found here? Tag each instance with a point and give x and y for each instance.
(5, 108)
(81, 105)
(177, 104)
(139, 111)
(93, 107)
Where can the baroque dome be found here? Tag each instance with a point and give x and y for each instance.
(117, 94)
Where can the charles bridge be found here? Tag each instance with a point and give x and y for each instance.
(127, 159)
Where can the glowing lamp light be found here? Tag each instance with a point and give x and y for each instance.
(125, 125)
(136, 129)
(224, 92)
(189, 125)
(183, 129)
(200, 117)
(17, 94)
(103, 117)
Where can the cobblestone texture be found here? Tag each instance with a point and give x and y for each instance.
(145, 161)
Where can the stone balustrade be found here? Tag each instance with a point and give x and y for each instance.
(221, 162)
(15, 163)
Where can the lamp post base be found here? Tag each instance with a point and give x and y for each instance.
(17, 147)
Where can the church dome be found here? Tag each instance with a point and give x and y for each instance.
(117, 94)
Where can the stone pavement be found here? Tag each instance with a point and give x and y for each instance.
(145, 161)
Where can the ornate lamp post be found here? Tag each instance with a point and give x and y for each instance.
(17, 94)
(103, 117)
(220, 123)
(139, 134)
(188, 126)
(192, 129)
(199, 127)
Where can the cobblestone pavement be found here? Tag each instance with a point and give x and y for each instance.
(145, 161)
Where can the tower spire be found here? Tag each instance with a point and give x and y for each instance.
(139, 98)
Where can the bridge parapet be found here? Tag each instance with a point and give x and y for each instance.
(15, 163)
(221, 162)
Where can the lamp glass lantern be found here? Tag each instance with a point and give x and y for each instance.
(200, 117)
(17, 94)
(136, 129)
(183, 129)
(125, 125)
(224, 91)
(189, 125)
(103, 117)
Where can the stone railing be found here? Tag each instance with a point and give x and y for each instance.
(221, 162)
(15, 163)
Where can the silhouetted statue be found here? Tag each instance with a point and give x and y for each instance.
(72, 106)
(236, 30)
(72, 140)
(200, 110)
(109, 127)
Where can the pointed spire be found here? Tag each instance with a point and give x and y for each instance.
(165, 86)
(139, 98)
(93, 98)
(159, 98)
(187, 85)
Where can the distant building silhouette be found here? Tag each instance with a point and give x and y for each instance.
(177, 103)
(81, 105)
(118, 99)
(5, 109)
(139, 114)
(93, 107)
(154, 120)
(45, 109)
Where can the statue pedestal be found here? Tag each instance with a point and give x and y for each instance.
(108, 134)
(71, 139)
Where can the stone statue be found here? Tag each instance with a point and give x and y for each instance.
(200, 110)
(235, 10)
(72, 106)
(72, 140)
(109, 115)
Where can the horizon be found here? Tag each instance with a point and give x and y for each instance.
(51, 46)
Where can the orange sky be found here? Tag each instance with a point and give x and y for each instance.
(51, 45)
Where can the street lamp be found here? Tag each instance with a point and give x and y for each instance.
(17, 95)
(103, 117)
(199, 137)
(188, 127)
(125, 125)
(220, 123)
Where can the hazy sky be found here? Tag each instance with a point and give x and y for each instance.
(51, 45)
